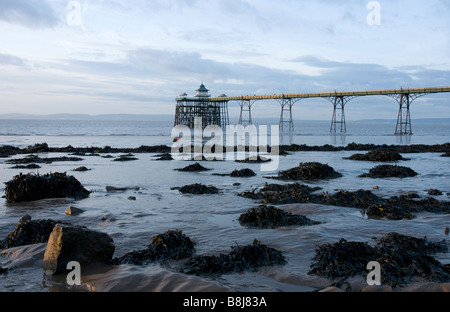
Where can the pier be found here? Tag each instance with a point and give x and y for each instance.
(214, 110)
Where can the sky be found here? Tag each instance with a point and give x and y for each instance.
(135, 57)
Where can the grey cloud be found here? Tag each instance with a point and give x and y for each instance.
(29, 13)
(6, 59)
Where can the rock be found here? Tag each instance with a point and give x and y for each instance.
(434, 192)
(81, 169)
(132, 198)
(70, 243)
(172, 245)
(394, 208)
(29, 232)
(376, 155)
(198, 189)
(25, 219)
(34, 159)
(73, 211)
(309, 171)
(240, 259)
(165, 156)
(30, 166)
(126, 157)
(271, 217)
(254, 160)
(401, 258)
(243, 173)
(31, 187)
(121, 189)
(387, 171)
(194, 168)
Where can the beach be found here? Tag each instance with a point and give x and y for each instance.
(133, 201)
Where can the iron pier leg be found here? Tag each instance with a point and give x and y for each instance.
(338, 115)
(404, 116)
(286, 113)
(246, 106)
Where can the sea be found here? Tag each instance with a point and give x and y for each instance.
(211, 221)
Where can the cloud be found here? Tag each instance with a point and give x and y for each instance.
(28, 13)
(6, 59)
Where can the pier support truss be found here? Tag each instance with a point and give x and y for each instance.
(339, 103)
(245, 117)
(404, 116)
(212, 113)
(286, 118)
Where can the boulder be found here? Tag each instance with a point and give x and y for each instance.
(73, 211)
(75, 243)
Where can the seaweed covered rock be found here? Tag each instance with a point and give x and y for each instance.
(434, 192)
(29, 232)
(240, 259)
(29, 166)
(272, 217)
(388, 171)
(309, 171)
(243, 173)
(126, 157)
(393, 208)
(377, 155)
(254, 160)
(164, 157)
(198, 189)
(31, 187)
(81, 169)
(194, 168)
(401, 258)
(342, 259)
(172, 245)
(34, 159)
(281, 194)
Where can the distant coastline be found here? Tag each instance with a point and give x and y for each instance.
(168, 117)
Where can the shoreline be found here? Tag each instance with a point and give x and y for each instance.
(10, 150)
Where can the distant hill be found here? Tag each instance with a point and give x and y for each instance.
(85, 117)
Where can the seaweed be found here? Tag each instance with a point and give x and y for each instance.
(271, 217)
(239, 259)
(401, 259)
(31, 187)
